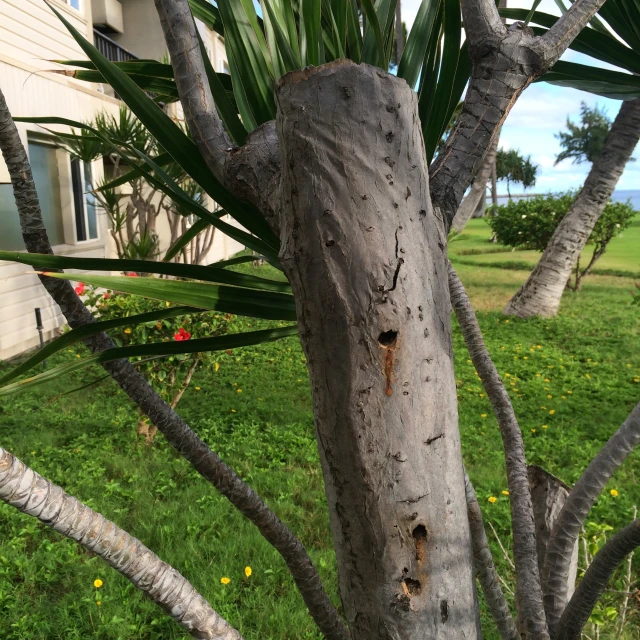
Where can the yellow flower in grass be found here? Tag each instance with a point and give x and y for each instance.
(552, 412)
(505, 493)
(544, 426)
(98, 602)
(483, 415)
(493, 499)
(248, 571)
(224, 580)
(197, 388)
(97, 583)
(217, 366)
(614, 493)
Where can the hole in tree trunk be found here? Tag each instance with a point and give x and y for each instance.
(419, 534)
(413, 586)
(387, 339)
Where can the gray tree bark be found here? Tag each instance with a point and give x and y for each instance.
(366, 258)
(34, 495)
(565, 532)
(549, 495)
(477, 193)
(486, 570)
(595, 581)
(541, 293)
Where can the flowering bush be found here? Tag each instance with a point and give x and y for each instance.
(530, 223)
(169, 376)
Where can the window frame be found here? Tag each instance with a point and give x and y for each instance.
(81, 197)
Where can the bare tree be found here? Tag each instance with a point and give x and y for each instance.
(342, 179)
(540, 295)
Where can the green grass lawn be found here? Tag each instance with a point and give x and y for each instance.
(573, 379)
(472, 246)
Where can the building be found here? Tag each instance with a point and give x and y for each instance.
(31, 39)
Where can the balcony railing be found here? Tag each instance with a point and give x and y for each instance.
(110, 49)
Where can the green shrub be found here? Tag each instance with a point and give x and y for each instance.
(530, 223)
(169, 376)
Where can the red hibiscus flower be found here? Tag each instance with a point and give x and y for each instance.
(181, 335)
(228, 352)
(80, 288)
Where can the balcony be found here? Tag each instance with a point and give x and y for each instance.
(110, 49)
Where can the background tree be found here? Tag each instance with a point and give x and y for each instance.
(584, 142)
(530, 224)
(618, 44)
(513, 167)
(315, 188)
(131, 202)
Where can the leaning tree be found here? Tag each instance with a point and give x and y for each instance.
(620, 45)
(325, 159)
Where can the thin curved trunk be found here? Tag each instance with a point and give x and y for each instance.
(486, 570)
(528, 585)
(541, 293)
(366, 258)
(595, 581)
(177, 432)
(566, 529)
(478, 188)
(36, 496)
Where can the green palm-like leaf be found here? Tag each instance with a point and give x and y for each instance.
(208, 13)
(88, 330)
(418, 42)
(175, 269)
(170, 136)
(194, 230)
(267, 305)
(162, 181)
(602, 82)
(201, 345)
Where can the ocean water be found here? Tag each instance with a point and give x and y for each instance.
(624, 195)
(621, 195)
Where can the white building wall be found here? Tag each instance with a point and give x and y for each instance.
(37, 94)
(31, 37)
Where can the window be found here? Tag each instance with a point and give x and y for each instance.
(224, 67)
(10, 234)
(74, 3)
(44, 165)
(84, 202)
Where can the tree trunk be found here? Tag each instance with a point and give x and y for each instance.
(478, 188)
(549, 494)
(481, 207)
(541, 293)
(494, 185)
(366, 258)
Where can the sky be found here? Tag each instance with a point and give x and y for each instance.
(542, 111)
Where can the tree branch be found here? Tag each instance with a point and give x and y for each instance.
(595, 581)
(528, 588)
(174, 428)
(505, 60)
(574, 513)
(193, 85)
(483, 19)
(485, 568)
(34, 495)
(556, 40)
